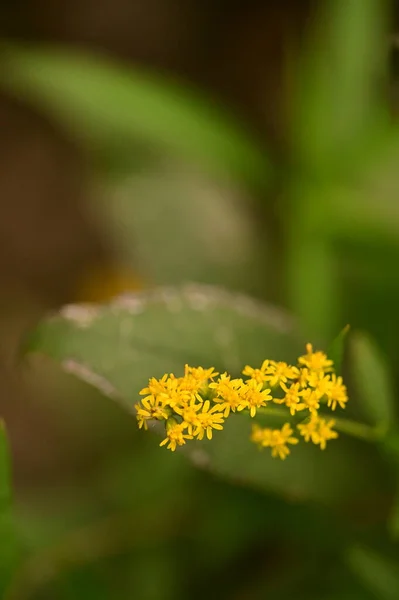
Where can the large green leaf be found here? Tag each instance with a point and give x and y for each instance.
(149, 333)
(114, 108)
(8, 545)
(117, 347)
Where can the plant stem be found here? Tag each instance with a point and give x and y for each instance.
(360, 430)
(353, 428)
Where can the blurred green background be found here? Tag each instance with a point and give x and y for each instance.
(249, 146)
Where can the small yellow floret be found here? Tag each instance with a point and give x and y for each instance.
(253, 397)
(209, 418)
(280, 372)
(292, 398)
(336, 393)
(311, 399)
(175, 435)
(228, 393)
(259, 375)
(150, 408)
(276, 439)
(315, 361)
(318, 430)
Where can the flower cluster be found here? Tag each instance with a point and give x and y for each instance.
(196, 404)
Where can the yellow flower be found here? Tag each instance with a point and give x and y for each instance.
(278, 372)
(261, 436)
(320, 382)
(318, 430)
(199, 373)
(175, 393)
(208, 419)
(189, 414)
(253, 397)
(280, 439)
(228, 393)
(150, 408)
(316, 361)
(292, 398)
(175, 435)
(325, 433)
(311, 399)
(276, 439)
(303, 377)
(337, 393)
(155, 386)
(259, 375)
(307, 430)
(198, 403)
(196, 378)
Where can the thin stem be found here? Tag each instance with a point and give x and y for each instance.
(360, 430)
(353, 428)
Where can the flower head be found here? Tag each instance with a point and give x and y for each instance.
(336, 393)
(311, 399)
(259, 375)
(303, 377)
(199, 373)
(189, 414)
(315, 361)
(253, 397)
(280, 439)
(208, 419)
(292, 398)
(318, 430)
(320, 382)
(156, 386)
(280, 372)
(150, 408)
(228, 393)
(196, 378)
(197, 404)
(276, 439)
(175, 435)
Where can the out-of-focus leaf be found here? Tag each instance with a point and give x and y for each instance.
(338, 104)
(113, 107)
(175, 224)
(367, 198)
(331, 477)
(378, 574)
(117, 347)
(337, 348)
(393, 522)
(8, 541)
(373, 381)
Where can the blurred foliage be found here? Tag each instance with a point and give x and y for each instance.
(9, 544)
(184, 192)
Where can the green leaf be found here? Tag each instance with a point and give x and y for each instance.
(373, 381)
(340, 91)
(378, 574)
(149, 333)
(114, 108)
(337, 349)
(8, 546)
(204, 229)
(117, 347)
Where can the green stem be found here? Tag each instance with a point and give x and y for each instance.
(361, 431)
(353, 428)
